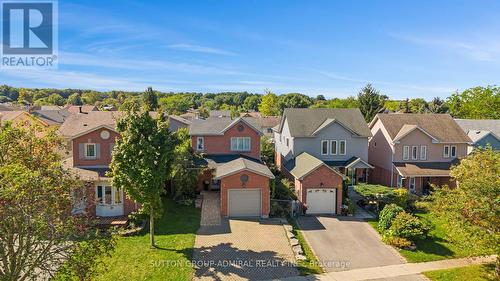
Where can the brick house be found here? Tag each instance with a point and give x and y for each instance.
(90, 138)
(415, 150)
(232, 164)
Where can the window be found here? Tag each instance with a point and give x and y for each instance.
(240, 144)
(324, 147)
(99, 194)
(200, 143)
(287, 142)
(333, 147)
(109, 195)
(446, 151)
(118, 196)
(414, 152)
(90, 150)
(453, 151)
(412, 184)
(343, 148)
(400, 181)
(423, 152)
(406, 152)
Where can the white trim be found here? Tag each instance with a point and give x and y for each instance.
(244, 169)
(406, 150)
(85, 150)
(358, 160)
(336, 147)
(423, 156)
(414, 152)
(259, 132)
(93, 129)
(396, 139)
(446, 155)
(340, 147)
(327, 149)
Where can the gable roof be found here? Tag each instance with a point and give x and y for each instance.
(440, 126)
(77, 124)
(478, 129)
(11, 115)
(52, 117)
(305, 163)
(406, 129)
(304, 122)
(218, 125)
(85, 108)
(241, 164)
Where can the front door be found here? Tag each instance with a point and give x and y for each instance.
(109, 200)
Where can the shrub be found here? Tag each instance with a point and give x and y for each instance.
(397, 241)
(284, 190)
(351, 207)
(401, 197)
(387, 215)
(408, 226)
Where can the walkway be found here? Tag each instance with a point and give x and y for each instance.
(392, 271)
(210, 209)
(360, 212)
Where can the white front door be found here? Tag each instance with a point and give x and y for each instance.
(321, 200)
(109, 200)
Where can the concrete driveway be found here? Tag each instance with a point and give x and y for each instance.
(345, 243)
(243, 250)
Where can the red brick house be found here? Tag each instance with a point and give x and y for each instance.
(90, 138)
(232, 164)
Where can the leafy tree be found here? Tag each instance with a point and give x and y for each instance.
(418, 105)
(476, 103)
(392, 105)
(150, 100)
(320, 98)
(404, 106)
(142, 160)
(175, 104)
(203, 112)
(55, 99)
(74, 99)
(130, 103)
(269, 105)
(294, 100)
(472, 209)
(251, 103)
(38, 233)
(438, 105)
(183, 178)
(370, 102)
(267, 150)
(90, 98)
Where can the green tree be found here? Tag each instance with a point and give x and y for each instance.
(251, 103)
(142, 160)
(74, 99)
(418, 105)
(267, 150)
(38, 233)
(404, 106)
(90, 97)
(150, 100)
(438, 105)
(175, 104)
(269, 105)
(370, 102)
(55, 99)
(392, 105)
(294, 100)
(472, 209)
(183, 177)
(476, 103)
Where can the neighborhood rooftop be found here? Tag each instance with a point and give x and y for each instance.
(217, 125)
(477, 129)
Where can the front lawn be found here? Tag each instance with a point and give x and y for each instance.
(175, 234)
(477, 272)
(435, 247)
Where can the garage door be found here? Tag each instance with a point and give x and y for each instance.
(321, 201)
(244, 202)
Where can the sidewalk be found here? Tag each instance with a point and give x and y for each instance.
(391, 271)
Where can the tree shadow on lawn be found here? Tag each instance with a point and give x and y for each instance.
(434, 246)
(223, 260)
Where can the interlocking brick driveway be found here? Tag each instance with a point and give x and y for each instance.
(243, 250)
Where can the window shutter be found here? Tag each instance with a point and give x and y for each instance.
(80, 151)
(97, 150)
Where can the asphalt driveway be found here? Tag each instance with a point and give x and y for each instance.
(243, 250)
(344, 243)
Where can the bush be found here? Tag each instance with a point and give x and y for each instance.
(401, 197)
(397, 241)
(351, 207)
(408, 226)
(387, 216)
(284, 190)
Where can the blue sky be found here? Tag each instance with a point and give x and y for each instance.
(405, 48)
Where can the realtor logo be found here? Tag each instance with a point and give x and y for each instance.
(29, 34)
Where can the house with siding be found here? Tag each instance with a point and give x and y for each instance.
(317, 149)
(415, 150)
(90, 138)
(231, 164)
(483, 133)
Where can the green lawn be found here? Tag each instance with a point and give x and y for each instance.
(175, 233)
(436, 247)
(311, 264)
(468, 273)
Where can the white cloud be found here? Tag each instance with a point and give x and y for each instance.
(200, 49)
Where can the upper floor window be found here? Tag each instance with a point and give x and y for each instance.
(406, 152)
(240, 144)
(423, 152)
(333, 147)
(324, 147)
(446, 151)
(200, 143)
(90, 150)
(342, 147)
(414, 152)
(453, 151)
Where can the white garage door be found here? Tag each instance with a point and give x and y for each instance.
(321, 200)
(244, 202)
